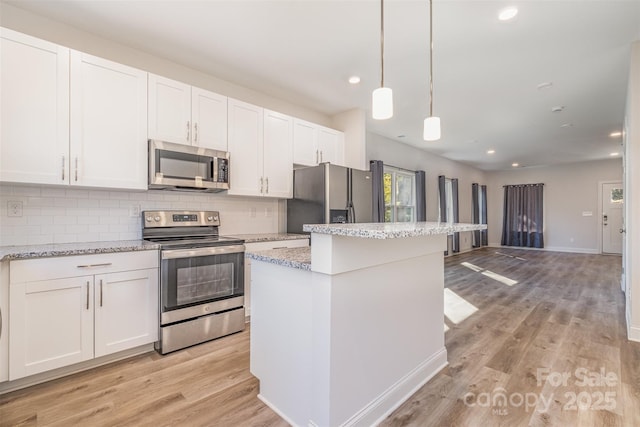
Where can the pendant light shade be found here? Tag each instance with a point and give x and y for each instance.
(431, 123)
(382, 103)
(382, 98)
(432, 128)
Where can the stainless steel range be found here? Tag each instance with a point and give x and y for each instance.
(201, 277)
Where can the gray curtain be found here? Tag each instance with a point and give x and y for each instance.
(442, 197)
(522, 220)
(454, 193)
(421, 203)
(377, 175)
(475, 213)
(483, 197)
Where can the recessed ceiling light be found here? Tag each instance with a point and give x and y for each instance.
(614, 154)
(557, 108)
(615, 134)
(354, 80)
(515, 165)
(491, 151)
(566, 125)
(508, 13)
(545, 85)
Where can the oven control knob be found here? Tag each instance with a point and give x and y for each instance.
(209, 218)
(215, 218)
(149, 219)
(157, 219)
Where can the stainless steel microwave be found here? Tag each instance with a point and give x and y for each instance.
(184, 167)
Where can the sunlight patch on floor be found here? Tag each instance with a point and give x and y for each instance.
(495, 276)
(457, 308)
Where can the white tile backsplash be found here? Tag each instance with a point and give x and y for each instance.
(62, 215)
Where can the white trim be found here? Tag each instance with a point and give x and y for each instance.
(552, 249)
(382, 406)
(275, 409)
(633, 334)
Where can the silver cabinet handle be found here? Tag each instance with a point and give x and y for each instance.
(321, 159)
(195, 132)
(104, 264)
(188, 129)
(63, 162)
(317, 156)
(622, 230)
(267, 185)
(100, 292)
(87, 295)
(76, 168)
(261, 185)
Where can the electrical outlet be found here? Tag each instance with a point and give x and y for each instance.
(134, 211)
(14, 208)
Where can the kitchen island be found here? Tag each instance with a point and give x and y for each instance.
(345, 331)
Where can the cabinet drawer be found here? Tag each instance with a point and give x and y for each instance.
(265, 246)
(80, 265)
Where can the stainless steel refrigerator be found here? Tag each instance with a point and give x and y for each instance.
(328, 194)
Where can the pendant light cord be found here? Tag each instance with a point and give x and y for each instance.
(381, 43)
(430, 58)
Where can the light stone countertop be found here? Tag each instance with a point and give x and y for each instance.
(68, 249)
(394, 230)
(287, 257)
(269, 237)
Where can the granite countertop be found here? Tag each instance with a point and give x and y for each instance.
(391, 230)
(287, 257)
(269, 237)
(67, 249)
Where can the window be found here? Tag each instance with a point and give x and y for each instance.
(399, 195)
(616, 196)
(448, 198)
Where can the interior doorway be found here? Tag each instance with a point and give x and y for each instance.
(612, 212)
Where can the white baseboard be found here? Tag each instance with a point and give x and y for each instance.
(382, 406)
(633, 332)
(277, 411)
(549, 249)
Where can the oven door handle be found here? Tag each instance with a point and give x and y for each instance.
(189, 253)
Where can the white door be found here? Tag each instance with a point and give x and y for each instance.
(51, 325)
(209, 116)
(278, 155)
(305, 143)
(34, 82)
(612, 210)
(246, 124)
(126, 313)
(108, 124)
(169, 110)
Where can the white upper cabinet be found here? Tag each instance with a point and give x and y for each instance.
(260, 149)
(108, 124)
(314, 144)
(278, 155)
(188, 115)
(246, 124)
(34, 86)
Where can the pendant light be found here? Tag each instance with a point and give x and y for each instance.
(382, 98)
(431, 123)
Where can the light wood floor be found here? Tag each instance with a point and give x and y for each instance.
(564, 315)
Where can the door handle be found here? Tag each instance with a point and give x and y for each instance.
(188, 129)
(195, 132)
(622, 230)
(87, 295)
(63, 163)
(100, 292)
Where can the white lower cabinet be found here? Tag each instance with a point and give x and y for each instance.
(59, 317)
(264, 246)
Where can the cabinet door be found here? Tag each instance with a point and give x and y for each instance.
(34, 82)
(246, 123)
(51, 325)
(209, 116)
(169, 110)
(305, 151)
(331, 146)
(108, 123)
(278, 155)
(126, 313)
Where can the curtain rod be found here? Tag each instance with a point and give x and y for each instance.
(523, 185)
(399, 168)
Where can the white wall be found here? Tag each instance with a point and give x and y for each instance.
(632, 199)
(62, 215)
(405, 156)
(569, 190)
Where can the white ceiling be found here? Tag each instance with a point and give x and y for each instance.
(486, 72)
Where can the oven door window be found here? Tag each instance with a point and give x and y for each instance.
(196, 280)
